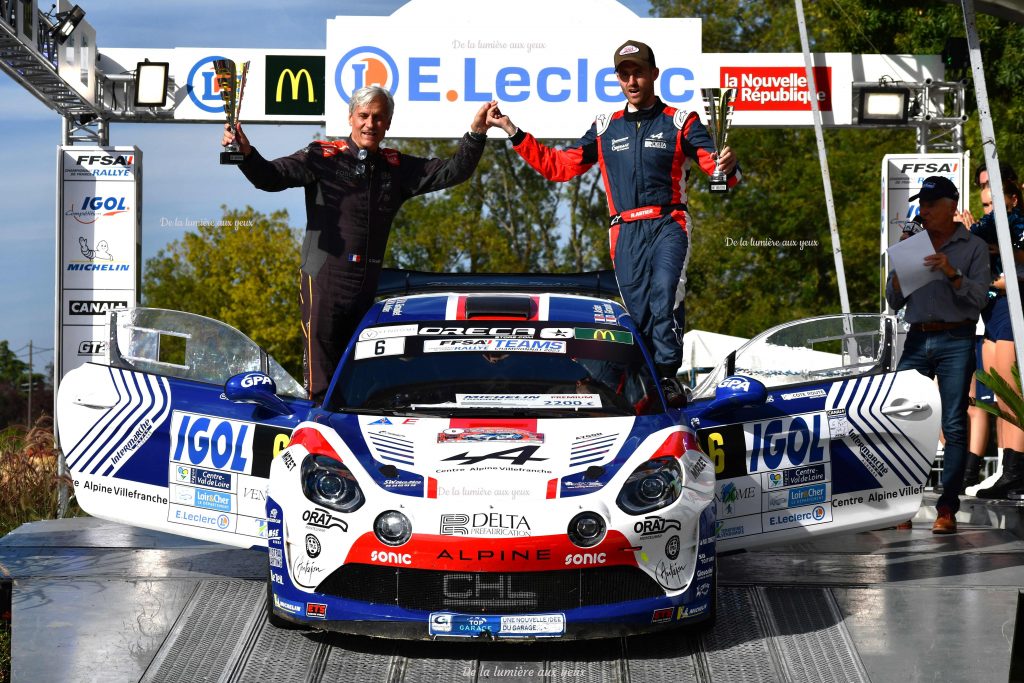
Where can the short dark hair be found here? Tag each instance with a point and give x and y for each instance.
(1006, 171)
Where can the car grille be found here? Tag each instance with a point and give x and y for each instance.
(489, 592)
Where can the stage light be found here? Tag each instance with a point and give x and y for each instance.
(151, 84)
(883, 105)
(66, 23)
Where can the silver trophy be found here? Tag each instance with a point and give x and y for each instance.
(231, 83)
(718, 106)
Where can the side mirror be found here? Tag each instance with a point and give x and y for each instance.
(736, 391)
(258, 388)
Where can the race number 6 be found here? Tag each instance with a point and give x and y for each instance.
(716, 452)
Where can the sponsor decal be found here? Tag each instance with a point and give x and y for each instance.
(312, 546)
(514, 456)
(92, 348)
(497, 332)
(323, 519)
(390, 557)
(288, 460)
(539, 401)
(672, 548)
(620, 144)
(655, 526)
(198, 517)
(287, 605)
(213, 500)
(95, 307)
(471, 434)
(316, 610)
(556, 333)
(813, 393)
(93, 208)
(381, 421)
(306, 573)
(662, 615)
(703, 589)
(777, 88)
(731, 496)
(797, 517)
(124, 492)
(687, 612)
(388, 331)
(101, 166)
(276, 557)
(254, 379)
(219, 443)
(735, 383)
(503, 555)
(697, 467)
(590, 334)
(277, 577)
(670, 575)
(787, 442)
(138, 437)
(208, 478)
(465, 589)
(440, 623)
(585, 559)
(294, 85)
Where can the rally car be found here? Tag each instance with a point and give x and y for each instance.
(494, 457)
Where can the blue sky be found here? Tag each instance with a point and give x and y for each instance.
(182, 178)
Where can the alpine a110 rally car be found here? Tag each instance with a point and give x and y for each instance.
(494, 457)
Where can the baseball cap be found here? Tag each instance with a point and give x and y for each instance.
(634, 51)
(937, 187)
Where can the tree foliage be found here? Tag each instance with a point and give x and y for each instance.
(241, 270)
(742, 290)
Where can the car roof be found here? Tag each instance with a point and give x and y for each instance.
(492, 306)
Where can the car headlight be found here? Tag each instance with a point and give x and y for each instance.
(327, 482)
(655, 484)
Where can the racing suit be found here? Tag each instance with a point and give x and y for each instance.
(350, 205)
(645, 158)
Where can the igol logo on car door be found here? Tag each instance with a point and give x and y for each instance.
(216, 443)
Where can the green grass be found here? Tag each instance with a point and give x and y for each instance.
(28, 492)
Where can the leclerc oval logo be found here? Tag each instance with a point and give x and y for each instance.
(201, 86)
(363, 66)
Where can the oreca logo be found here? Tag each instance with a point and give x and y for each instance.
(202, 88)
(363, 66)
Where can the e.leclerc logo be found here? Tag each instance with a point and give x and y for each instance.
(575, 79)
(202, 88)
(363, 66)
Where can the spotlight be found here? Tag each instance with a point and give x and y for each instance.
(66, 23)
(883, 105)
(151, 84)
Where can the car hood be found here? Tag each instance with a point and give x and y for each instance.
(494, 458)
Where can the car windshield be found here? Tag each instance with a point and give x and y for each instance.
(531, 369)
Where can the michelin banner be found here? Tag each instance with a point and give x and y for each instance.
(99, 242)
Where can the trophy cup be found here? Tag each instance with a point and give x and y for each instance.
(231, 82)
(718, 105)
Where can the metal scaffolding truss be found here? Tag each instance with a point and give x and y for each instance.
(937, 109)
(34, 67)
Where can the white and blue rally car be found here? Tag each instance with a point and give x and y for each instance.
(494, 457)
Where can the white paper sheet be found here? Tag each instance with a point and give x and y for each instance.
(907, 259)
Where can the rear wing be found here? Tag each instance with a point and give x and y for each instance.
(398, 282)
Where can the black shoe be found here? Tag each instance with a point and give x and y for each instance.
(1012, 478)
(972, 471)
(675, 395)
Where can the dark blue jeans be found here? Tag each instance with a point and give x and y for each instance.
(950, 357)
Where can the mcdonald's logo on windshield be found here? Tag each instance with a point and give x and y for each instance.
(294, 85)
(603, 334)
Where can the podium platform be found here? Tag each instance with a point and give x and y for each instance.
(98, 601)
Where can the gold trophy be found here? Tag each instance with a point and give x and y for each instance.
(231, 82)
(718, 105)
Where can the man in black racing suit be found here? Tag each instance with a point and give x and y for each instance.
(354, 188)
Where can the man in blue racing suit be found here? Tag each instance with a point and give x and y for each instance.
(354, 187)
(644, 152)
